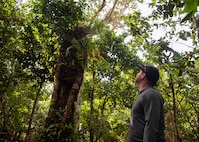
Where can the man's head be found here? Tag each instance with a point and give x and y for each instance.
(151, 73)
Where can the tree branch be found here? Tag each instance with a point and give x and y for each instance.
(99, 10)
(108, 17)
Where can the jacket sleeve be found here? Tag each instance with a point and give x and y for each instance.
(152, 107)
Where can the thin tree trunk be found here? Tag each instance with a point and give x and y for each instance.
(4, 131)
(174, 110)
(27, 137)
(77, 115)
(91, 107)
(102, 117)
(198, 128)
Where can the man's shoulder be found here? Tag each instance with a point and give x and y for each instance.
(150, 92)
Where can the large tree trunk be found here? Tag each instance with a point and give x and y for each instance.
(60, 122)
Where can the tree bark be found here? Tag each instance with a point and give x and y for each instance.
(174, 110)
(60, 122)
(101, 118)
(108, 17)
(91, 96)
(198, 128)
(27, 138)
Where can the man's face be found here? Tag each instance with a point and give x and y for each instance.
(139, 77)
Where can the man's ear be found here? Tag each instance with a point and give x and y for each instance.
(143, 75)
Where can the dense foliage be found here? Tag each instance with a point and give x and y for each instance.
(105, 39)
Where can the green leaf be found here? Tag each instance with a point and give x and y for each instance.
(191, 6)
(153, 1)
(188, 16)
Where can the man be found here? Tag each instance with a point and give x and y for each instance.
(147, 116)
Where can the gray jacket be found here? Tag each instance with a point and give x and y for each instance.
(147, 117)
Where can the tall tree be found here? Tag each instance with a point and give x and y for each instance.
(70, 66)
(63, 17)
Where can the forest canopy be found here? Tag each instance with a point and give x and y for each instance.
(67, 67)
